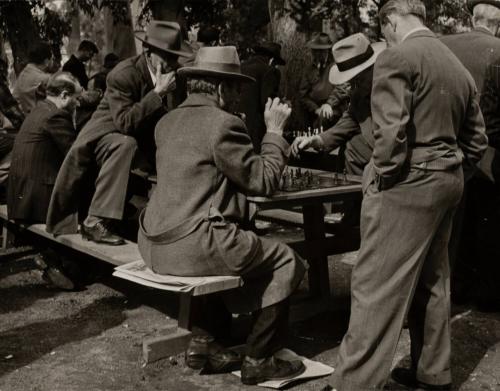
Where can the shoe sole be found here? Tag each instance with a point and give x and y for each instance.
(196, 361)
(86, 238)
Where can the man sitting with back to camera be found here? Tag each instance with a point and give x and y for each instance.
(139, 91)
(205, 155)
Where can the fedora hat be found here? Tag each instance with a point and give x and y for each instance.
(271, 49)
(216, 61)
(472, 3)
(320, 41)
(165, 36)
(353, 55)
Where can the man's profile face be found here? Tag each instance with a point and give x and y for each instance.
(163, 61)
(230, 95)
(320, 56)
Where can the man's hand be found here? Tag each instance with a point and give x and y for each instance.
(301, 143)
(165, 83)
(275, 115)
(326, 111)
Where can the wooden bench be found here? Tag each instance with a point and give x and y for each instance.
(175, 340)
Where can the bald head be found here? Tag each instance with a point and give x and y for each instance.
(486, 15)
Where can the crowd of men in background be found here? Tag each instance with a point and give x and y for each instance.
(407, 114)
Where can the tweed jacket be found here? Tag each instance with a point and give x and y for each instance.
(425, 110)
(39, 150)
(254, 95)
(129, 106)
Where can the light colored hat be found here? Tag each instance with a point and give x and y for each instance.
(353, 55)
(216, 61)
(165, 36)
(472, 3)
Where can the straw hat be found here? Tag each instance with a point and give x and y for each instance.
(165, 36)
(216, 61)
(353, 55)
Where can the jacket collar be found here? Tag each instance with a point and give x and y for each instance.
(196, 100)
(424, 32)
(483, 30)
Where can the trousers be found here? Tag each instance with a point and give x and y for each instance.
(402, 269)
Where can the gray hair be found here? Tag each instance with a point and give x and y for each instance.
(402, 8)
(203, 85)
(486, 15)
(62, 81)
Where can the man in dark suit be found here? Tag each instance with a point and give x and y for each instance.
(140, 90)
(427, 123)
(354, 57)
(262, 66)
(474, 249)
(199, 223)
(39, 150)
(76, 63)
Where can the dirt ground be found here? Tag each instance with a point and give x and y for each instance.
(91, 339)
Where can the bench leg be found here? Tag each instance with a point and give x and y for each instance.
(8, 237)
(176, 340)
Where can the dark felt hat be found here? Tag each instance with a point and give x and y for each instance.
(216, 61)
(271, 49)
(165, 36)
(320, 41)
(472, 3)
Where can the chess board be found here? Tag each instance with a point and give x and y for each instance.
(298, 179)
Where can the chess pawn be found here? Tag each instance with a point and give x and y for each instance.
(308, 131)
(321, 129)
(336, 178)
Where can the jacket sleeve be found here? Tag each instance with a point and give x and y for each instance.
(304, 90)
(472, 138)
(253, 174)
(490, 105)
(344, 130)
(61, 129)
(128, 113)
(391, 109)
(339, 95)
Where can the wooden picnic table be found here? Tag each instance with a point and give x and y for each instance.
(317, 246)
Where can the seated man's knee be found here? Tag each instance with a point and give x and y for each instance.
(125, 145)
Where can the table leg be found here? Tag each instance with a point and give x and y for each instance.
(314, 229)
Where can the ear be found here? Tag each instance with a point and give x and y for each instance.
(64, 94)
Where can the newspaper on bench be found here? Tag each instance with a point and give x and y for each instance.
(138, 272)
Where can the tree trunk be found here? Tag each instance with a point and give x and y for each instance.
(119, 34)
(21, 31)
(296, 54)
(74, 38)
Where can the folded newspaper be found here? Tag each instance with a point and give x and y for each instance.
(313, 369)
(138, 272)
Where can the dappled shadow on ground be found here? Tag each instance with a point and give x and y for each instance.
(30, 342)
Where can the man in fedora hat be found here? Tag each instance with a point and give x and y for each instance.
(474, 248)
(205, 154)
(262, 66)
(322, 102)
(354, 59)
(139, 92)
(426, 125)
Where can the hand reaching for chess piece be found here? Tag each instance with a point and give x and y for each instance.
(301, 143)
(275, 115)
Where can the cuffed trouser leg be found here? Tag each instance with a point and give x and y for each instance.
(114, 155)
(402, 229)
(269, 331)
(429, 315)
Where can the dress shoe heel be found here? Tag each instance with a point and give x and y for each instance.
(196, 361)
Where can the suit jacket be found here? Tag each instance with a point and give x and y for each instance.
(77, 69)
(129, 106)
(39, 150)
(254, 95)
(425, 109)
(479, 51)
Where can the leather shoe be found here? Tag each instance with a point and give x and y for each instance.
(271, 368)
(53, 272)
(204, 353)
(407, 378)
(99, 233)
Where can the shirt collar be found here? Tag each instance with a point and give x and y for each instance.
(153, 76)
(414, 31)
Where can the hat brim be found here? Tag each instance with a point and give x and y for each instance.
(319, 46)
(338, 77)
(278, 60)
(472, 3)
(204, 71)
(141, 36)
